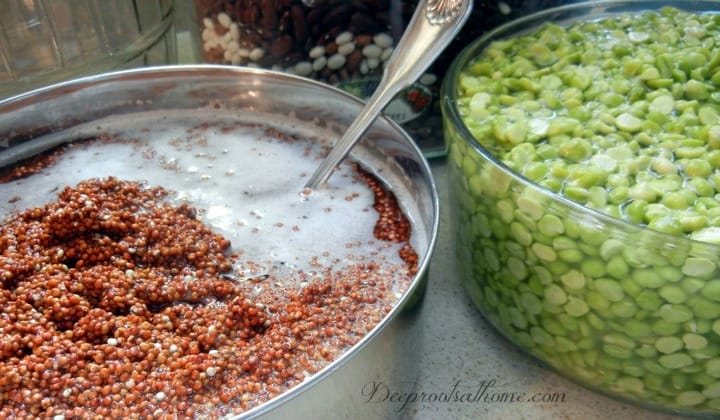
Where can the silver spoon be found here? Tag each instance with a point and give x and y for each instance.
(433, 25)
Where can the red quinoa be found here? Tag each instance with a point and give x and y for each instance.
(118, 304)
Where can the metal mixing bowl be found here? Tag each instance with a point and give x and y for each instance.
(386, 150)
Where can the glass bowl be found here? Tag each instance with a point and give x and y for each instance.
(615, 306)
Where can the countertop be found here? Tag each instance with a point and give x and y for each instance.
(462, 353)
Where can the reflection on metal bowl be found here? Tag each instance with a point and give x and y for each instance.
(182, 109)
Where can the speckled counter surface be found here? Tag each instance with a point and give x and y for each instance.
(462, 354)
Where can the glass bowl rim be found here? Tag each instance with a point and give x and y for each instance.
(531, 22)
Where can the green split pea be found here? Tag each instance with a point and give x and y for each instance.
(620, 115)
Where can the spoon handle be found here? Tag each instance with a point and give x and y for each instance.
(433, 25)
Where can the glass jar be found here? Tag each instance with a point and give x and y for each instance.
(343, 43)
(44, 41)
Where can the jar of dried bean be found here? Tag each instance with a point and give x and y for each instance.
(343, 43)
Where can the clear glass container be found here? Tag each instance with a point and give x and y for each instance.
(592, 296)
(343, 43)
(44, 41)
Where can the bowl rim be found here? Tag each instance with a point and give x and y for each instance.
(596, 10)
(158, 73)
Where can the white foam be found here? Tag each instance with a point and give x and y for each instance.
(246, 185)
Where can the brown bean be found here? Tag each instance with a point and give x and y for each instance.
(314, 16)
(268, 16)
(337, 17)
(299, 26)
(354, 59)
(363, 23)
(281, 46)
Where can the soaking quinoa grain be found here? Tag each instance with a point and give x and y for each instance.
(117, 303)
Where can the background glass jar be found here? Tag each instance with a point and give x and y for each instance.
(44, 42)
(343, 43)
